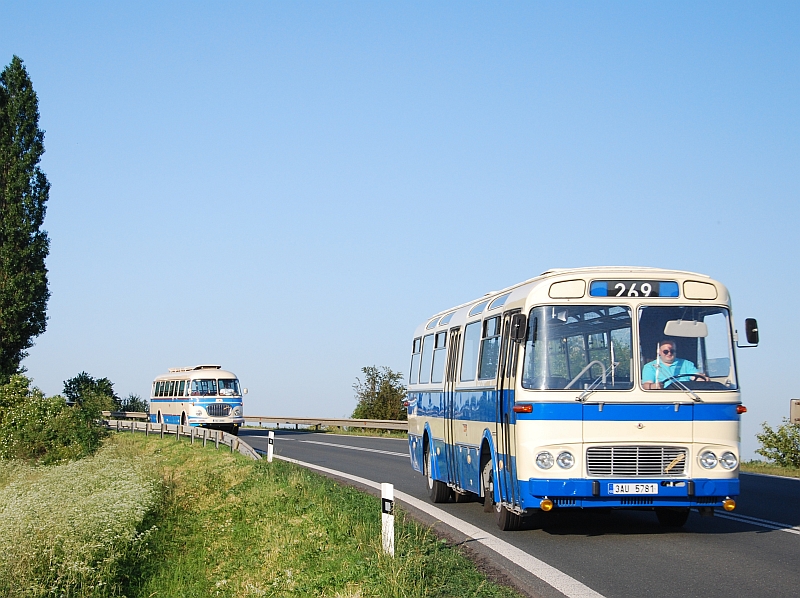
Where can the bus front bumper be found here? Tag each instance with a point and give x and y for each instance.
(604, 492)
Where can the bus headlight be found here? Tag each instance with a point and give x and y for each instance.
(544, 460)
(708, 459)
(728, 460)
(565, 460)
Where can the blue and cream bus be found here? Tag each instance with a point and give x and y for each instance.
(203, 395)
(582, 388)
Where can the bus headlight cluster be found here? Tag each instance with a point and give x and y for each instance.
(237, 411)
(544, 460)
(565, 460)
(709, 460)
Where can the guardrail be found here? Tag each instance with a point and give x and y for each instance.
(218, 437)
(314, 422)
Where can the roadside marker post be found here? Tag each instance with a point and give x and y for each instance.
(270, 446)
(387, 518)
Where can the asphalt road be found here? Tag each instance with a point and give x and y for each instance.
(620, 553)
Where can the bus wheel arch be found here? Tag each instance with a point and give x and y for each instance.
(183, 418)
(159, 419)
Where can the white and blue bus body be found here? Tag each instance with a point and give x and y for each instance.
(203, 395)
(533, 397)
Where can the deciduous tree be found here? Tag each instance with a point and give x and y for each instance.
(24, 191)
(380, 394)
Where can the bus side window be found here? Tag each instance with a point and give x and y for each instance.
(439, 356)
(180, 392)
(490, 349)
(155, 389)
(161, 389)
(469, 354)
(427, 354)
(171, 391)
(415, 355)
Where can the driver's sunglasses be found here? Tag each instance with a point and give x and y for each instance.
(668, 351)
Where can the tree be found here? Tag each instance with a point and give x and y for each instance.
(83, 386)
(380, 395)
(23, 194)
(134, 402)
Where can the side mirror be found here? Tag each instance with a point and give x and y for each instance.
(751, 330)
(244, 391)
(519, 328)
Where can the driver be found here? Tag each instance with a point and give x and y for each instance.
(667, 365)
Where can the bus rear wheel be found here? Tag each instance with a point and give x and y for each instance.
(672, 517)
(438, 491)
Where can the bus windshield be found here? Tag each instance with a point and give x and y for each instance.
(229, 387)
(204, 388)
(578, 347)
(686, 347)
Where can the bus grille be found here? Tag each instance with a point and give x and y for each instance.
(218, 410)
(635, 461)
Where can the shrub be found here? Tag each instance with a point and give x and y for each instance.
(47, 430)
(782, 445)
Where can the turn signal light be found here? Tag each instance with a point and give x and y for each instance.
(523, 408)
(741, 409)
(729, 504)
(547, 505)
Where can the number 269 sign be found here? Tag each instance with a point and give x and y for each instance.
(633, 288)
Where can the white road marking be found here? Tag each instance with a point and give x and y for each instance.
(356, 448)
(559, 580)
(781, 527)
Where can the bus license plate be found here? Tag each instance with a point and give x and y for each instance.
(634, 488)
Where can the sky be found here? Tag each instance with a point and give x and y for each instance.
(289, 188)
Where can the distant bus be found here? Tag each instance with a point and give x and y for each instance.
(582, 388)
(203, 395)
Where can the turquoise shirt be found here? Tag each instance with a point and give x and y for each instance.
(679, 367)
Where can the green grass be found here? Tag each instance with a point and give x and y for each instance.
(769, 468)
(148, 518)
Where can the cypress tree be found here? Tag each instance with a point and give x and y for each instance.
(23, 197)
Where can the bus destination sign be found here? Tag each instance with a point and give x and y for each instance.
(633, 288)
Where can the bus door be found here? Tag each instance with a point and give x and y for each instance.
(505, 431)
(453, 476)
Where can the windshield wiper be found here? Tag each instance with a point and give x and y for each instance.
(593, 386)
(687, 390)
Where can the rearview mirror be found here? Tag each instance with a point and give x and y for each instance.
(519, 327)
(686, 329)
(751, 330)
(244, 391)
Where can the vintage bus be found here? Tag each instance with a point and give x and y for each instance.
(581, 388)
(203, 395)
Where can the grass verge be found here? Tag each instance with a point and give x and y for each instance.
(768, 468)
(150, 518)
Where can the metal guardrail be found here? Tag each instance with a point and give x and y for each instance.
(125, 414)
(314, 422)
(195, 434)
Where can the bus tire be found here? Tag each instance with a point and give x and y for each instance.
(438, 491)
(235, 430)
(672, 517)
(508, 521)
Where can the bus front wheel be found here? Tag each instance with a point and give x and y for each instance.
(506, 520)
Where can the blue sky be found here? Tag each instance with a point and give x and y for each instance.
(288, 189)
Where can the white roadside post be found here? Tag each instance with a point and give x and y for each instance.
(387, 518)
(270, 445)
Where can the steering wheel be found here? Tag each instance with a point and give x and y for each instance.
(694, 378)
